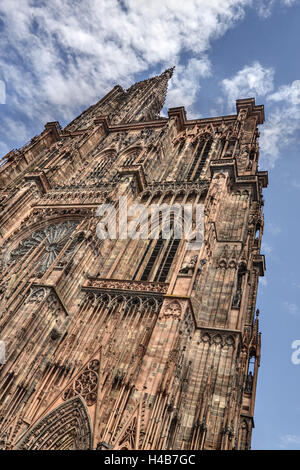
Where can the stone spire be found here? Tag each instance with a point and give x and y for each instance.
(146, 98)
(159, 81)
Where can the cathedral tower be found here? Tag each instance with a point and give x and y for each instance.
(126, 342)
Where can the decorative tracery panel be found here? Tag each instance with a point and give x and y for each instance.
(85, 384)
(67, 427)
(50, 241)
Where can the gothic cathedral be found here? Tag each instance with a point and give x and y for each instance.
(131, 343)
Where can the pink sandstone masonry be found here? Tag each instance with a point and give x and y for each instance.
(131, 344)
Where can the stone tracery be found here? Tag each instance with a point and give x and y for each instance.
(52, 239)
(174, 350)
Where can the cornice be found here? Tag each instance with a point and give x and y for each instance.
(40, 178)
(96, 284)
(230, 166)
(253, 110)
(260, 262)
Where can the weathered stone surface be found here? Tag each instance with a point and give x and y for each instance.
(131, 344)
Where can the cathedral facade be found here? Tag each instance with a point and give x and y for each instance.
(131, 343)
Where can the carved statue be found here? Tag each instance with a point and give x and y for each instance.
(186, 267)
(190, 266)
(249, 383)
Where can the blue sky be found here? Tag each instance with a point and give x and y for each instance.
(58, 57)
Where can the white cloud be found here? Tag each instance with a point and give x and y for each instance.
(283, 121)
(273, 228)
(186, 84)
(72, 55)
(288, 93)
(265, 8)
(282, 107)
(295, 184)
(2, 92)
(15, 130)
(266, 248)
(253, 80)
(290, 440)
(291, 307)
(289, 3)
(58, 57)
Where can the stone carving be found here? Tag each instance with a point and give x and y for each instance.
(222, 339)
(128, 441)
(249, 383)
(168, 364)
(194, 134)
(37, 295)
(188, 268)
(65, 428)
(172, 310)
(85, 384)
(117, 284)
(52, 239)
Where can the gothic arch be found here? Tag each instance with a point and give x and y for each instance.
(105, 153)
(67, 427)
(129, 155)
(38, 220)
(102, 162)
(55, 233)
(206, 135)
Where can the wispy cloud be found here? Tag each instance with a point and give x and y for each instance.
(266, 248)
(283, 117)
(292, 308)
(57, 57)
(290, 441)
(295, 184)
(273, 228)
(288, 93)
(186, 83)
(55, 60)
(265, 8)
(252, 80)
(283, 122)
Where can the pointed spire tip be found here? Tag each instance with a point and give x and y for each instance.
(169, 71)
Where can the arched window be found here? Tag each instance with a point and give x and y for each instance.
(236, 301)
(46, 243)
(98, 170)
(199, 159)
(162, 255)
(67, 427)
(130, 157)
(103, 162)
(230, 148)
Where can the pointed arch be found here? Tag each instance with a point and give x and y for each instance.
(130, 155)
(200, 156)
(102, 163)
(67, 427)
(128, 438)
(51, 237)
